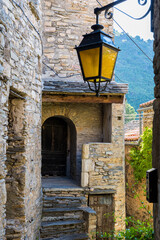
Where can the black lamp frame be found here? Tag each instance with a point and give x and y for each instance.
(92, 41)
(100, 62)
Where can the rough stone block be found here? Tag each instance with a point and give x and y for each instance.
(85, 151)
(84, 179)
(51, 39)
(87, 165)
(7, 70)
(14, 56)
(8, 4)
(2, 42)
(3, 194)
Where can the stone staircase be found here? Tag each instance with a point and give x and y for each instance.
(65, 214)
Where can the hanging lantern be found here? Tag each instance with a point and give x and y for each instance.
(97, 56)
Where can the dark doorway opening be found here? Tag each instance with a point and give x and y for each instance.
(58, 147)
(54, 147)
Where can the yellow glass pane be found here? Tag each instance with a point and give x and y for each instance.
(108, 61)
(97, 80)
(93, 80)
(90, 62)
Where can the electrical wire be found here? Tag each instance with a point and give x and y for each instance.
(129, 36)
(41, 42)
(99, 3)
(58, 74)
(119, 78)
(30, 23)
(133, 41)
(134, 17)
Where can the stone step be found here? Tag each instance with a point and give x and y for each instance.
(64, 197)
(56, 229)
(65, 201)
(71, 192)
(61, 210)
(57, 214)
(61, 223)
(81, 236)
(63, 214)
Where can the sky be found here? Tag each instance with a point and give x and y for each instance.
(134, 27)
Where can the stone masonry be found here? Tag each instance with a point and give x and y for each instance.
(134, 204)
(103, 166)
(147, 110)
(66, 214)
(85, 117)
(20, 120)
(64, 24)
(99, 125)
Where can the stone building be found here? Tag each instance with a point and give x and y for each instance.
(146, 114)
(135, 193)
(20, 120)
(94, 140)
(89, 129)
(82, 133)
(133, 131)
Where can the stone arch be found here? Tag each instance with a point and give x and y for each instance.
(58, 109)
(60, 153)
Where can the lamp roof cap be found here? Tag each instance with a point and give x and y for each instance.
(97, 37)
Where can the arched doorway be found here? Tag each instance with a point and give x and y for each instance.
(58, 147)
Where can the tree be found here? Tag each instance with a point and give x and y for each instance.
(130, 113)
(133, 67)
(141, 157)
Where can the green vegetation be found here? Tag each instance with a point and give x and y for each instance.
(130, 112)
(138, 231)
(141, 157)
(141, 161)
(134, 68)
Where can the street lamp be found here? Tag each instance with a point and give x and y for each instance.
(97, 53)
(97, 56)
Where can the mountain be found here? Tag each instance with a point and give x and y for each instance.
(134, 68)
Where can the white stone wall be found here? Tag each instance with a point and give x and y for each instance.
(20, 73)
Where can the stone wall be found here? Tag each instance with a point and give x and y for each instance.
(156, 106)
(65, 22)
(3, 138)
(148, 118)
(103, 166)
(136, 203)
(20, 120)
(87, 119)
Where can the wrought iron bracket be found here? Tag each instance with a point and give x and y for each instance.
(97, 87)
(109, 15)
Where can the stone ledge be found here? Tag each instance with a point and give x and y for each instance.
(67, 189)
(78, 86)
(102, 191)
(88, 210)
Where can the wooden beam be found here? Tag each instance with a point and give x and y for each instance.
(82, 99)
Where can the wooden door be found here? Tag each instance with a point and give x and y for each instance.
(104, 207)
(54, 147)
